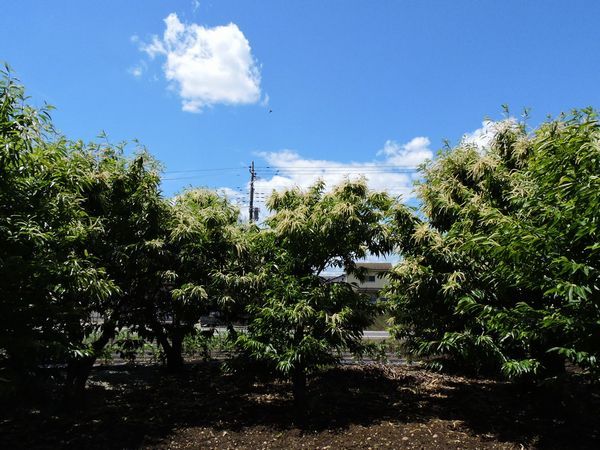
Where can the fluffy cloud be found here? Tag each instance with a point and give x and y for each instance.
(207, 66)
(482, 137)
(412, 153)
(394, 172)
(136, 71)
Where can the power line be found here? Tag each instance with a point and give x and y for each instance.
(210, 169)
(313, 168)
(293, 168)
(312, 172)
(338, 167)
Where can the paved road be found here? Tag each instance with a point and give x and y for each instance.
(376, 335)
(371, 335)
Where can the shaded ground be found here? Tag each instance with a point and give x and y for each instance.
(351, 407)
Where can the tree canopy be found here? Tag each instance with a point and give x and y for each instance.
(499, 268)
(502, 273)
(302, 320)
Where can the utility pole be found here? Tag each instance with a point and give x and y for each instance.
(252, 178)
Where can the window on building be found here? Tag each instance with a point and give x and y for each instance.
(371, 278)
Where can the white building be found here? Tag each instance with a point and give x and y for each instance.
(375, 278)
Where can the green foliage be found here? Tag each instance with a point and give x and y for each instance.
(125, 201)
(503, 274)
(80, 236)
(49, 282)
(500, 269)
(89, 246)
(201, 237)
(301, 321)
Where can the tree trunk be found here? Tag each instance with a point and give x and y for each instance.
(299, 391)
(173, 349)
(554, 364)
(232, 333)
(299, 379)
(78, 370)
(175, 353)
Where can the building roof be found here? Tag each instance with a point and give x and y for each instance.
(334, 278)
(374, 265)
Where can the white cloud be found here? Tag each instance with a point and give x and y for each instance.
(265, 101)
(137, 71)
(207, 66)
(482, 137)
(412, 153)
(394, 173)
(233, 195)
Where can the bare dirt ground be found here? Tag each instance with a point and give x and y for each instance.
(372, 406)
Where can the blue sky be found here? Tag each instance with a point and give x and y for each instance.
(353, 86)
